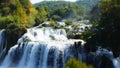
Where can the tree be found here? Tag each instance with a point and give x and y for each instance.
(41, 17)
(110, 24)
(106, 32)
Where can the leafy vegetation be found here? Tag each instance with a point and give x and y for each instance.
(17, 11)
(68, 22)
(73, 34)
(62, 10)
(73, 63)
(41, 17)
(51, 5)
(53, 23)
(87, 4)
(15, 16)
(13, 32)
(59, 10)
(106, 30)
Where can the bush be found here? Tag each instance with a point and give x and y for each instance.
(68, 22)
(14, 32)
(53, 23)
(4, 21)
(73, 63)
(56, 17)
(73, 35)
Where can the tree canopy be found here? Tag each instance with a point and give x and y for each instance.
(18, 11)
(105, 31)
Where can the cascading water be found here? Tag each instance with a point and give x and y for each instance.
(41, 48)
(50, 48)
(2, 42)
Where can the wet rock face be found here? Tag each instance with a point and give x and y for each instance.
(99, 61)
(106, 63)
(90, 58)
(51, 54)
(76, 48)
(102, 58)
(116, 52)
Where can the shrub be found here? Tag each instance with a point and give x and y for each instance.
(53, 23)
(4, 21)
(68, 22)
(14, 32)
(73, 34)
(74, 63)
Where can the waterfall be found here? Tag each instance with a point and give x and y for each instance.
(50, 48)
(41, 48)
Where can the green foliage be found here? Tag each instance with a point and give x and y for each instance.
(87, 4)
(109, 25)
(59, 10)
(68, 22)
(14, 32)
(73, 63)
(106, 32)
(73, 35)
(51, 5)
(4, 21)
(41, 17)
(18, 11)
(15, 15)
(15, 29)
(56, 17)
(95, 13)
(30, 11)
(53, 23)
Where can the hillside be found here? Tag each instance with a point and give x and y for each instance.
(61, 10)
(87, 4)
(51, 5)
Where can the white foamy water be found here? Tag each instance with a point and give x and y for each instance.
(2, 42)
(41, 48)
(49, 48)
(44, 34)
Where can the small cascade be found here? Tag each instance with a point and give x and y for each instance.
(116, 62)
(43, 34)
(2, 43)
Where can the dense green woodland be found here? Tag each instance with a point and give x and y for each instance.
(106, 30)
(87, 4)
(61, 10)
(17, 15)
(58, 11)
